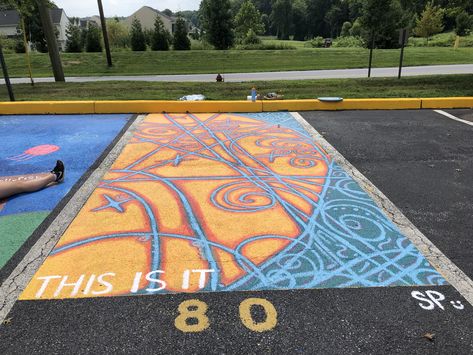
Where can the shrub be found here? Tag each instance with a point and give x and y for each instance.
(348, 42)
(356, 29)
(265, 46)
(20, 45)
(201, 45)
(346, 29)
(251, 38)
(317, 42)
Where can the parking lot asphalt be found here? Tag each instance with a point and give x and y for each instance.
(353, 282)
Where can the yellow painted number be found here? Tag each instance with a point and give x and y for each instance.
(192, 309)
(271, 315)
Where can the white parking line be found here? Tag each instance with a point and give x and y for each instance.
(446, 114)
(452, 273)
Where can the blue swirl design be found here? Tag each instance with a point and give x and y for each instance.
(346, 241)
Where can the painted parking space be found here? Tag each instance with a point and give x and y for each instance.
(255, 203)
(223, 202)
(32, 144)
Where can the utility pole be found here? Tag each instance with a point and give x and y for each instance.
(50, 35)
(5, 75)
(105, 34)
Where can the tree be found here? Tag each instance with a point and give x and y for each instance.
(160, 37)
(464, 24)
(217, 23)
(300, 20)
(281, 17)
(430, 21)
(381, 19)
(118, 34)
(73, 42)
(137, 36)
(334, 17)
(93, 40)
(181, 41)
(316, 10)
(248, 18)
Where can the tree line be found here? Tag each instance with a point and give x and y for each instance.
(89, 38)
(225, 23)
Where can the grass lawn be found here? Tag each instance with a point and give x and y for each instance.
(429, 86)
(211, 61)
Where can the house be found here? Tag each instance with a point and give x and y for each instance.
(10, 24)
(147, 16)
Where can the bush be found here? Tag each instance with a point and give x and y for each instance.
(317, 42)
(8, 44)
(20, 45)
(348, 42)
(251, 38)
(441, 40)
(346, 29)
(265, 47)
(356, 29)
(201, 45)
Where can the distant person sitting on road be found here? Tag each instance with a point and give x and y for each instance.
(13, 185)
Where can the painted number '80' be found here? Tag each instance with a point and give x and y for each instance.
(196, 311)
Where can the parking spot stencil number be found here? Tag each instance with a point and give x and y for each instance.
(192, 309)
(247, 319)
(197, 310)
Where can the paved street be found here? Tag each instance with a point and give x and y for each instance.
(285, 75)
(329, 232)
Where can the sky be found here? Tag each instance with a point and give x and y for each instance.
(84, 8)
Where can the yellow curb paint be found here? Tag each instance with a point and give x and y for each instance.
(176, 106)
(149, 106)
(448, 102)
(47, 107)
(381, 104)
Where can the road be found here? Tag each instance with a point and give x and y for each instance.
(267, 76)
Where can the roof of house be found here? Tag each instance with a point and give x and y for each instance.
(156, 11)
(12, 18)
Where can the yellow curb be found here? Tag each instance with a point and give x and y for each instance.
(91, 107)
(349, 104)
(448, 102)
(47, 107)
(176, 106)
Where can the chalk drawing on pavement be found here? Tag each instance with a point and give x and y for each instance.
(227, 202)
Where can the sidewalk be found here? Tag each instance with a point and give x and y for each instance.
(267, 76)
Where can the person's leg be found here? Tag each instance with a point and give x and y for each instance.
(13, 185)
